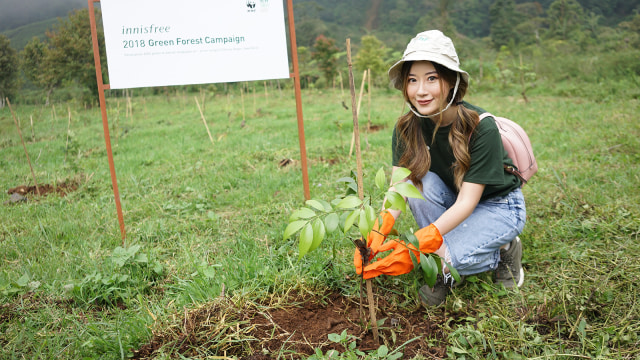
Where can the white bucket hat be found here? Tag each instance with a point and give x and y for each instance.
(432, 46)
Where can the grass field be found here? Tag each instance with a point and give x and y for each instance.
(205, 218)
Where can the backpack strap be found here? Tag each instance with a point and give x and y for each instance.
(508, 168)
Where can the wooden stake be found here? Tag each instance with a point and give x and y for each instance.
(33, 134)
(364, 77)
(242, 100)
(33, 174)
(66, 147)
(266, 93)
(129, 107)
(369, 99)
(203, 120)
(356, 132)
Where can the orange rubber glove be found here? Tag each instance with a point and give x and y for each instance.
(398, 262)
(375, 238)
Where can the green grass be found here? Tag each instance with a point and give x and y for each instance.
(210, 216)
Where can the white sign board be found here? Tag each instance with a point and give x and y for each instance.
(162, 42)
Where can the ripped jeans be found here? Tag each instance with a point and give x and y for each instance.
(474, 245)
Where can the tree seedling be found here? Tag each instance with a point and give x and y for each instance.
(354, 218)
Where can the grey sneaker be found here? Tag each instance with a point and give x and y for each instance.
(438, 294)
(510, 272)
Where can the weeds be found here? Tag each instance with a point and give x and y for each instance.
(205, 220)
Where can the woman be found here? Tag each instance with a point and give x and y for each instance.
(473, 210)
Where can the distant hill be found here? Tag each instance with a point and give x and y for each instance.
(17, 13)
(21, 36)
(392, 21)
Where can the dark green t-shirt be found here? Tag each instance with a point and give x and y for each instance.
(488, 156)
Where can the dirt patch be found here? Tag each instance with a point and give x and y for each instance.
(255, 331)
(375, 128)
(30, 191)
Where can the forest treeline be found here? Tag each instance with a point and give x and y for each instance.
(512, 45)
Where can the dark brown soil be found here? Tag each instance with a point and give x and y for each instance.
(257, 331)
(61, 189)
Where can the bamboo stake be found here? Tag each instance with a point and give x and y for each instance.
(33, 134)
(130, 107)
(66, 147)
(33, 174)
(242, 100)
(203, 120)
(364, 77)
(369, 99)
(266, 93)
(356, 132)
(366, 136)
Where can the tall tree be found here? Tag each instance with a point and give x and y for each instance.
(438, 17)
(8, 70)
(70, 55)
(565, 17)
(33, 58)
(502, 15)
(324, 53)
(371, 55)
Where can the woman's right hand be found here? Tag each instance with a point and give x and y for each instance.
(375, 238)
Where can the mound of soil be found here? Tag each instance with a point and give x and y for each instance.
(28, 191)
(261, 332)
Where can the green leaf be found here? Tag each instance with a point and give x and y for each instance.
(350, 219)
(396, 201)
(414, 259)
(408, 190)
(399, 174)
(349, 202)
(318, 234)
(315, 204)
(306, 239)
(371, 215)
(383, 351)
(453, 272)
(334, 337)
(209, 272)
(23, 280)
(141, 259)
(381, 179)
(326, 205)
(331, 222)
(458, 350)
(363, 224)
(429, 269)
(346, 180)
(302, 213)
(292, 228)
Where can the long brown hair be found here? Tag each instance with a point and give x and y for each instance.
(416, 156)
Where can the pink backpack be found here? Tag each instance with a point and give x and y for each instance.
(518, 146)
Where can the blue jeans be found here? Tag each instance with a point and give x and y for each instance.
(474, 245)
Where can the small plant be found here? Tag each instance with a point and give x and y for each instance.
(21, 286)
(130, 273)
(354, 218)
(347, 212)
(350, 212)
(466, 343)
(348, 342)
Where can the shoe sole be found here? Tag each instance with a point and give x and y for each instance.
(521, 280)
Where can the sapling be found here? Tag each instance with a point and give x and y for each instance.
(349, 216)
